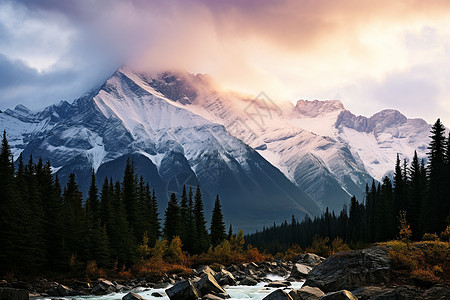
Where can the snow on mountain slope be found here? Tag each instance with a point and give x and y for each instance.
(377, 140)
(182, 128)
(318, 145)
(172, 146)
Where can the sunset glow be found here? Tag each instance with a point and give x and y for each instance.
(371, 55)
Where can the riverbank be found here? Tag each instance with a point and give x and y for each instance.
(384, 271)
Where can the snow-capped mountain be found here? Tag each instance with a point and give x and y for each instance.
(266, 159)
(319, 145)
(170, 145)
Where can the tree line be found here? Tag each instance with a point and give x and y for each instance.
(416, 200)
(46, 228)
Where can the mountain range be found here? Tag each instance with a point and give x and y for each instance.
(266, 159)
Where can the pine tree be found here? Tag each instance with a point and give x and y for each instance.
(50, 192)
(202, 241)
(172, 220)
(230, 232)
(122, 243)
(217, 225)
(74, 220)
(416, 196)
(399, 188)
(155, 226)
(10, 208)
(129, 195)
(92, 204)
(437, 199)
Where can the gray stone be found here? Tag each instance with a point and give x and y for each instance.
(211, 297)
(300, 271)
(201, 271)
(278, 284)
(306, 293)
(161, 285)
(208, 285)
(157, 295)
(339, 295)
(401, 292)
(370, 292)
(311, 259)
(438, 291)
(132, 296)
(103, 287)
(248, 281)
(183, 290)
(278, 295)
(351, 270)
(13, 294)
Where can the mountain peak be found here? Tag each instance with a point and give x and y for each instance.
(316, 108)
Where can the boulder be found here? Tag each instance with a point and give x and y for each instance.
(278, 284)
(211, 297)
(183, 290)
(339, 295)
(225, 278)
(438, 291)
(132, 296)
(351, 270)
(203, 270)
(161, 285)
(248, 281)
(370, 292)
(13, 294)
(306, 293)
(157, 295)
(208, 285)
(311, 259)
(299, 271)
(401, 292)
(278, 295)
(103, 287)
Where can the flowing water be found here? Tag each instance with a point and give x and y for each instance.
(256, 292)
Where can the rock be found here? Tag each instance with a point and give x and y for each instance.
(351, 270)
(183, 290)
(157, 295)
(13, 294)
(306, 293)
(161, 285)
(370, 292)
(401, 292)
(311, 259)
(203, 270)
(225, 278)
(438, 291)
(211, 297)
(299, 271)
(22, 285)
(103, 287)
(339, 295)
(132, 296)
(208, 285)
(248, 281)
(4, 283)
(278, 284)
(278, 295)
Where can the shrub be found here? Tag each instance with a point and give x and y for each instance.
(320, 246)
(424, 276)
(338, 245)
(293, 252)
(445, 235)
(429, 237)
(92, 271)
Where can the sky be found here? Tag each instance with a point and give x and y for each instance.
(371, 55)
